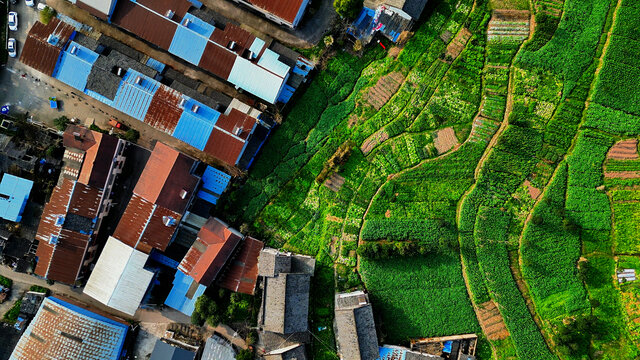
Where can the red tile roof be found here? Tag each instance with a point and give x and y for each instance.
(213, 247)
(166, 175)
(284, 9)
(224, 146)
(63, 261)
(242, 274)
(164, 111)
(37, 52)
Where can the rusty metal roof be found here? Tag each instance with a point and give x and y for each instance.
(62, 330)
(232, 32)
(67, 217)
(235, 120)
(284, 9)
(166, 178)
(225, 147)
(40, 54)
(146, 24)
(164, 110)
(242, 273)
(179, 7)
(219, 61)
(215, 244)
(142, 227)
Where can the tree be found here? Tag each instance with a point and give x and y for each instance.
(347, 8)
(245, 354)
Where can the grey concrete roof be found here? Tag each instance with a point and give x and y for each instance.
(355, 328)
(287, 303)
(103, 78)
(120, 47)
(294, 352)
(272, 262)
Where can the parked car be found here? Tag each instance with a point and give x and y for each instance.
(13, 21)
(29, 2)
(11, 47)
(118, 125)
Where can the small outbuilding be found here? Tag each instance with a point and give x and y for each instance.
(14, 193)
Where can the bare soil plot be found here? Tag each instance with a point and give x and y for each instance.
(509, 24)
(373, 141)
(622, 174)
(334, 182)
(491, 321)
(534, 192)
(384, 89)
(624, 150)
(444, 140)
(456, 46)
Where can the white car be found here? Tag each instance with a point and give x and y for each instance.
(11, 47)
(29, 2)
(13, 21)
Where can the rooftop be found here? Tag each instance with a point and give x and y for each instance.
(61, 330)
(355, 329)
(119, 279)
(217, 348)
(215, 243)
(14, 192)
(242, 274)
(286, 303)
(288, 10)
(44, 44)
(164, 351)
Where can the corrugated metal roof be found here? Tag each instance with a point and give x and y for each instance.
(257, 46)
(179, 7)
(215, 180)
(218, 60)
(225, 147)
(180, 298)
(237, 123)
(155, 64)
(75, 65)
(14, 192)
(98, 160)
(195, 127)
(146, 24)
(164, 351)
(213, 247)
(61, 330)
(217, 348)
(99, 8)
(190, 39)
(135, 93)
(271, 61)
(257, 80)
(235, 33)
(40, 54)
(287, 10)
(164, 111)
(166, 174)
(242, 274)
(119, 279)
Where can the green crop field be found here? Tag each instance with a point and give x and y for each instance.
(444, 184)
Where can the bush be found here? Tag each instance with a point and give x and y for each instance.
(47, 14)
(12, 315)
(245, 354)
(39, 289)
(347, 8)
(61, 122)
(6, 282)
(132, 135)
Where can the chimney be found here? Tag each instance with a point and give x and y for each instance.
(182, 102)
(73, 49)
(186, 22)
(232, 45)
(183, 194)
(195, 108)
(138, 80)
(169, 14)
(119, 71)
(168, 221)
(237, 130)
(76, 136)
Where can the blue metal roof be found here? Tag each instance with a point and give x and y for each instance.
(257, 80)
(14, 193)
(194, 128)
(177, 298)
(189, 41)
(208, 197)
(99, 97)
(215, 180)
(270, 61)
(74, 65)
(286, 94)
(134, 99)
(257, 45)
(155, 65)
